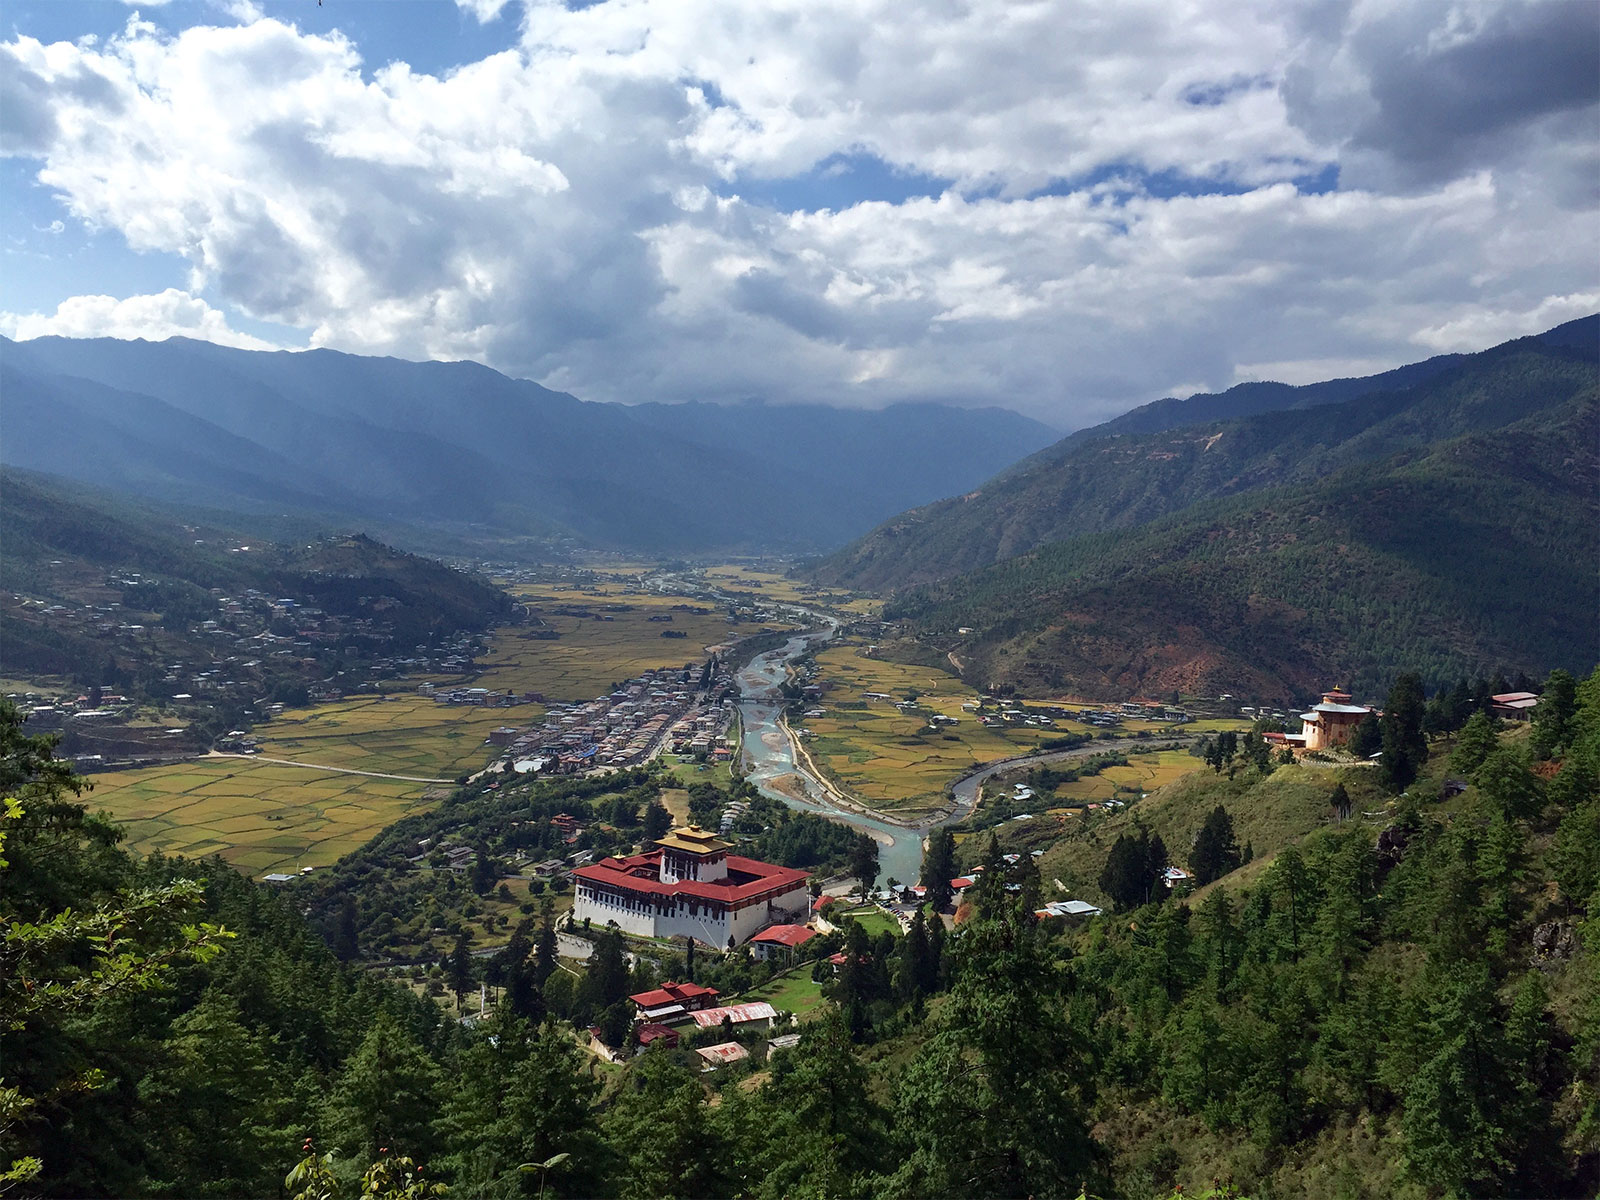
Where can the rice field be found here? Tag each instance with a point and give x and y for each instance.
(258, 816)
(395, 735)
(881, 755)
(590, 655)
(781, 588)
(263, 816)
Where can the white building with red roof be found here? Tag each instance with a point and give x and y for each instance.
(780, 941)
(689, 886)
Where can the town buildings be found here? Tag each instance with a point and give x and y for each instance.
(690, 886)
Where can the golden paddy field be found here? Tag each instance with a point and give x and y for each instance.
(263, 816)
(259, 816)
(782, 589)
(878, 754)
(591, 655)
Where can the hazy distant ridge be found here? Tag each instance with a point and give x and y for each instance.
(459, 445)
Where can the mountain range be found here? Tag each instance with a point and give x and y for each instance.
(1446, 525)
(458, 448)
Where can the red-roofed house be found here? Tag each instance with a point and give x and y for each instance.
(756, 1013)
(721, 1055)
(690, 886)
(650, 1033)
(780, 941)
(673, 1000)
(1514, 706)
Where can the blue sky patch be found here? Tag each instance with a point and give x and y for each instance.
(838, 182)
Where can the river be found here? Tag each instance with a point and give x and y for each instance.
(768, 757)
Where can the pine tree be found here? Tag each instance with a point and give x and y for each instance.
(657, 821)
(1509, 786)
(387, 1096)
(459, 971)
(661, 1129)
(1366, 739)
(1405, 748)
(1339, 801)
(1552, 716)
(1215, 851)
(939, 867)
(1474, 743)
(993, 1105)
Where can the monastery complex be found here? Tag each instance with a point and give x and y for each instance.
(690, 886)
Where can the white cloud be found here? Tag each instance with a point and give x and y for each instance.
(155, 318)
(484, 10)
(571, 209)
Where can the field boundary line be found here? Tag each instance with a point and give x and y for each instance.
(289, 762)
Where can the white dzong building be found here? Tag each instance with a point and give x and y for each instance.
(690, 886)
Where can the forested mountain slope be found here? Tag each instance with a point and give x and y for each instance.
(106, 592)
(1401, 1007)
(459, 446)
(1105, 479)
(1477, 553)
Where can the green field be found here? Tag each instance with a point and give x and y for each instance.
(259, 816)
(869, 916)
(880, 755)
(795, 992)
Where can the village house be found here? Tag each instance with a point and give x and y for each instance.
(1514, 706)
(759, 1015)
(721, 1055)
(672, 1000)
(689, 886)
(780, 941)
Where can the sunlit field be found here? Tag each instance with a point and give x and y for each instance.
(259, 816)
(592, 654)
(881, 755)
(781, 588)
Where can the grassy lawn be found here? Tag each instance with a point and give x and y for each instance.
(795, 992)
(869, 916)
(1284, 807)
(1144, 773)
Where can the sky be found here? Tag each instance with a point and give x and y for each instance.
(1063, 208)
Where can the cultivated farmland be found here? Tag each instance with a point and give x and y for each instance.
(891, 759)
(604, 635)
(259, 816)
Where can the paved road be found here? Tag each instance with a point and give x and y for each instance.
(289, 762)
(966, 788)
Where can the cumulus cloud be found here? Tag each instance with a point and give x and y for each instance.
(155, 318)
(484, 10)
(1098, 203)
